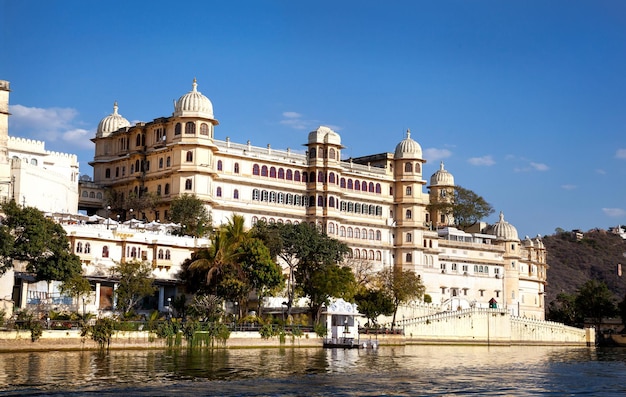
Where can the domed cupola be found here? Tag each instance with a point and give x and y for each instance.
(503, 230)
(193, 104)
(111, 123)
(528, 242)
(408, 148)
(539, 242)
(324, 135)
(442, 177)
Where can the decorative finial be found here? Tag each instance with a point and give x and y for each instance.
(115, 107)
(408, 133)
(501, 216)
(195, 84)
(441, 166)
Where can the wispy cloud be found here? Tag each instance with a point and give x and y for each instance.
(614, 212)
(569, 187)
(621, 154)
(49, 124)
(539, 166)
(482, 161)
(600, 171)
(434, 154)
(295, 121)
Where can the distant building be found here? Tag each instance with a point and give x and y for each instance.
(377, 204)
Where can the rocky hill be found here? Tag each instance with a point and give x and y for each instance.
(574, 260)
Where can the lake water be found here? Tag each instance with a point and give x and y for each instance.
(386, 371)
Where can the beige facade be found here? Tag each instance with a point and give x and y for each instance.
(377, 204)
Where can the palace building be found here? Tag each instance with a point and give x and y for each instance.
(377, 204)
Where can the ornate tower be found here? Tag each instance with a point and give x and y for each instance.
(441, 192)
(5, 167)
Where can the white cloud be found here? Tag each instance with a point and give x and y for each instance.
(614, 212)
(482, 161)
(620, 154)
(568, 187)
(601, 171)
(294, 120)
(434, 154)
(49, 125)
(539, 166)
(292, 115)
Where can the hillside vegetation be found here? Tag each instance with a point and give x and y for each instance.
(572, 262)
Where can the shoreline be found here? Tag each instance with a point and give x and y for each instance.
(70, 340)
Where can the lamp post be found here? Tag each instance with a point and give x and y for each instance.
(169, 308)
(132, 217)
(108, 211)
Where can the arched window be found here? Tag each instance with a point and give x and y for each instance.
(408, 167)
(92, 195)
(378, 235)
(357, 254)
(342, 183)
(342, 231)
(281, 173)
(256, 170)
(371, 255)
(87, 248)
(331, 202)
(408, 191)
(357, 185)
(331, 178)
(264, 170)
(312, 201)
(273, 172)
(320, 201)
(371, 187)
(188, 184)
(409, 237)
(357, 233)
(311, 176)
(256, 194)
(305, 177)
(98, 195)
(79, 247)
(168, 255)
(281, 198)
(219, 165)
(312, 153)
(331, 228)
(409, 258)
(167, 188)
(417, 167)
(364, 186)
(289, 175)
(357, 208)
(168, 162)
(107, 173)
(236, 168)
(105, 251)
(296, 176)
(177, 129)
(350, 233)
(272, 197)
(160, 254)
(204, 129)
(265, 196)
(371, 234)
(331, 153)
(161, 162)
(350, 184)
(379, 256)
(236, 194)
(409, 214)
(190, 127)
(85, 193)
(320, 177)
(189, 156)
(218, 192)
(158, 190)
(138, 140)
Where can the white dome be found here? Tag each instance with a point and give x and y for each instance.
(503, 230)
(193, 104)
(111, 123)
(408, 148)
(442, 177)
(324, 135)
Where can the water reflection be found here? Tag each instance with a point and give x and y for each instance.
(398, 371)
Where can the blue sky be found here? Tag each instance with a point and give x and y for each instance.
(524, 101)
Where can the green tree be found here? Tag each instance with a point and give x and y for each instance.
(467, 207)
(563, 310)
(329, 281)
(135, 283)
(123, 204)
(402, 287)
(76, 286)
(373, 303)
(191, 213)
(594, 301)
(28, 236)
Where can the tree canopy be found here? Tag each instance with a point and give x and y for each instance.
(191, 213)
(401, 286)
(467, 207)
(26, 235)
(135, 283)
